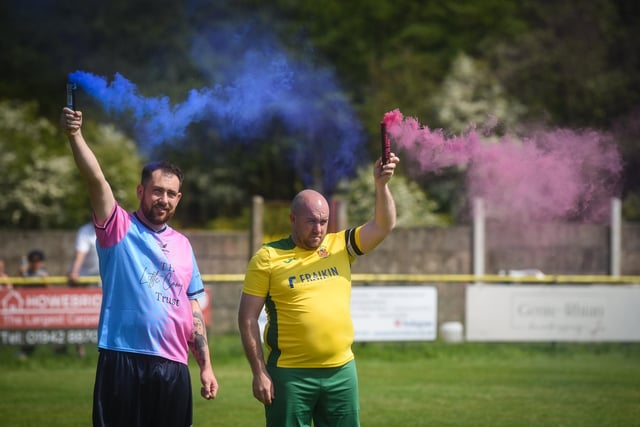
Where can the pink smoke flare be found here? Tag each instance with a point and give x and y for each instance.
(552, 175)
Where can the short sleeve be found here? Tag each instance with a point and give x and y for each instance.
(256, 279)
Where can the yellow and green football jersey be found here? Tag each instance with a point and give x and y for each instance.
(308, 299)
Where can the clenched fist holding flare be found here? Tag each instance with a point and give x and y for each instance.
(71, 120)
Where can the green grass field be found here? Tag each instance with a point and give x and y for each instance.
(401, 384)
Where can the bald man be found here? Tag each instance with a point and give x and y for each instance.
(304, 283)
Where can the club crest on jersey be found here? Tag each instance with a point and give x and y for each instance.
(323, 252)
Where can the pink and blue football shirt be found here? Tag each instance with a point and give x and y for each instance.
(148, 278)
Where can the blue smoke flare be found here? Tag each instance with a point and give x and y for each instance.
(260, 85)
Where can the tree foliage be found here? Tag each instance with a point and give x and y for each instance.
(36, 171)
(577, 62)
(565, 63)
(43, 188)
(471, 95)
(414, 208)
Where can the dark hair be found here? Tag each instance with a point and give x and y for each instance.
(163, 165)
(35, 255)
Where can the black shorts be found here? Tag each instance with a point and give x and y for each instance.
(140, 390)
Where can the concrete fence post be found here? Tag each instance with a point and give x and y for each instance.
(478, 237)
(615, 237)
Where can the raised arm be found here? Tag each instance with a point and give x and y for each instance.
(200, 349)
(100, 193)
(384, 220)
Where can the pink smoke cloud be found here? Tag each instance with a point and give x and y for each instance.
(560, 174)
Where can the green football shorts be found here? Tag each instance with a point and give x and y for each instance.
(329, 396)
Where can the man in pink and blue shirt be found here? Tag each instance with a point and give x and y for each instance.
(150, 315)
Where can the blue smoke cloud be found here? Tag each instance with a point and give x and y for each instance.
(252, 84)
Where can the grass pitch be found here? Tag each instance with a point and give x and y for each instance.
(401, 384)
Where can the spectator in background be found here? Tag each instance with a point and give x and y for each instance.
(3, 274)
(85, 263)
(33, 265)
(85, 259)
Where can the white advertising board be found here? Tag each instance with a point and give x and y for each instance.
(394, 313)
(552, 313)
(391, 313)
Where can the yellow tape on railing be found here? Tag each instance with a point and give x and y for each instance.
(379, 278)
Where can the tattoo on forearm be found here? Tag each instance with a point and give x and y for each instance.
(198, 342)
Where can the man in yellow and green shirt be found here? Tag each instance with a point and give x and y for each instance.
(304, 283)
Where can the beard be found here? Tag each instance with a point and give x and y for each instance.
(158, 213)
